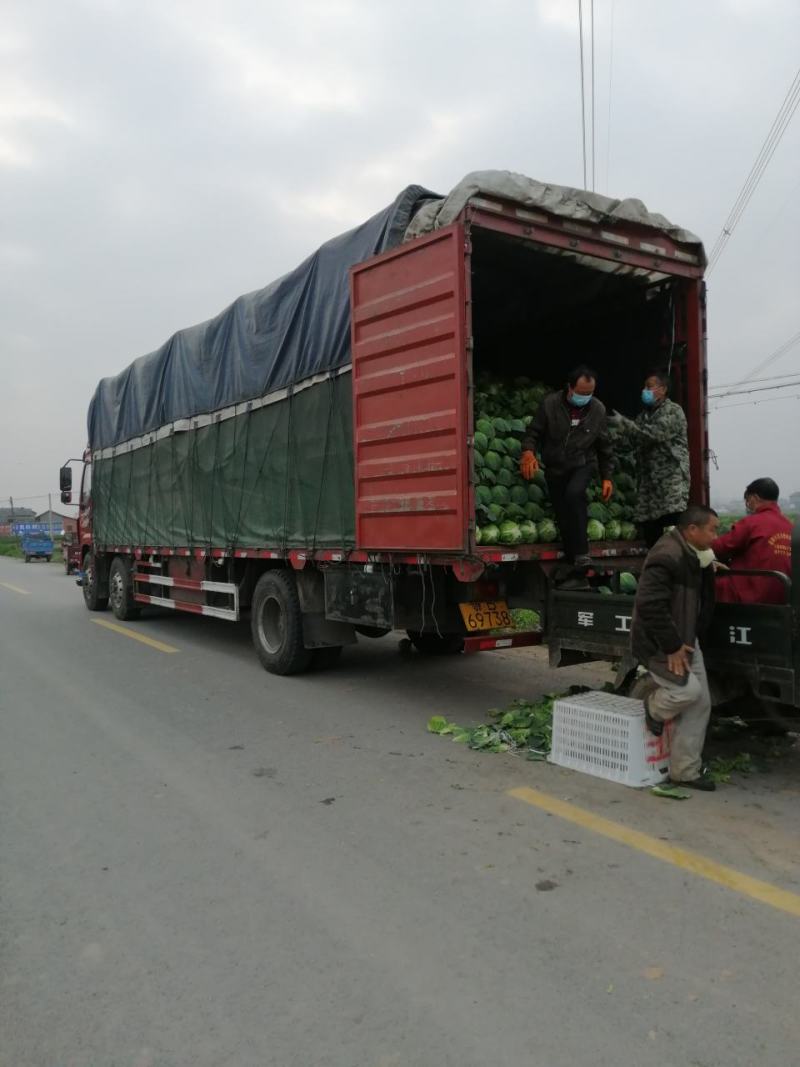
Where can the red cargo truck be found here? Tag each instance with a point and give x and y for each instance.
(336, 498)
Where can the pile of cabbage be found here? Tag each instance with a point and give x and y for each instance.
(511, 511)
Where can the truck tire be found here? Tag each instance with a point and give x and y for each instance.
(120, 590)
(91, 596)
(27, 559)
(434, 644)
(276, 623)
(48, 558)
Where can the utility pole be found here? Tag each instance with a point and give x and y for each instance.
(11, 504)
(50, 513)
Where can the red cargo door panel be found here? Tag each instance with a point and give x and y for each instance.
(410, 418)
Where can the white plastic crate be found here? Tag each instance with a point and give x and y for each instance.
(605, 735)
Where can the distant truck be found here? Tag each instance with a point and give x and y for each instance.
(308, 456)
(36, 545)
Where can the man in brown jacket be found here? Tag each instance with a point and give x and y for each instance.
(672, 611)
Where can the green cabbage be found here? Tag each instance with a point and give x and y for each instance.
(490, 534)
(510, 533)
(595, 530)
(627, 583)
(547, 531)
(529, 532)
(534, 512)
(526, 619)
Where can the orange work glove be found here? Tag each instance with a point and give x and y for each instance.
(608, 489)
(528, 465)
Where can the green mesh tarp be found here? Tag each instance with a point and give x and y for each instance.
(280, 476)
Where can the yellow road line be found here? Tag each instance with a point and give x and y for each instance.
(14, 588)
(661, 850)
(151, 641)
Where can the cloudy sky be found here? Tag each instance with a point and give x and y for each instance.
(158, 159)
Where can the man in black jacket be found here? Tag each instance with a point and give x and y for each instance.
(571, 432)
(673, 608)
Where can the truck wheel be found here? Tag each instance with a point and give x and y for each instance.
(48, 558)
(27, 559)
(322, 659)
(120, 590)
(434, 645)
(276, 623)
(91, 596)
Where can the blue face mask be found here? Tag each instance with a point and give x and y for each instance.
(648, 397)
(580, 400)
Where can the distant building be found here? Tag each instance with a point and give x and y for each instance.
(19, 515)
(61, 523)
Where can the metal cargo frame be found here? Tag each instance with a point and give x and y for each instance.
(412, 360)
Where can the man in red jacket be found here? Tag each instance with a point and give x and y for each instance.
(762, 541)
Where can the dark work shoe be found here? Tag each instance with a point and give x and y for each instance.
(655, 727)
(703, 783)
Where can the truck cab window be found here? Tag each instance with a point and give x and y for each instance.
(86, 484)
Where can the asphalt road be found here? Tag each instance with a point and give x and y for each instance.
(203, 865)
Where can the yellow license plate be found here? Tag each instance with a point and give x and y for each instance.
(486, 615)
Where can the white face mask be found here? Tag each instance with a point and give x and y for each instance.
(705, 555)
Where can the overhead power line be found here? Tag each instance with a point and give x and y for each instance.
(781, 350)
(583, 89)
(593, 99)
(610, 80)
(750, 403)
(766, 152)
(753, 381)
(737, 391)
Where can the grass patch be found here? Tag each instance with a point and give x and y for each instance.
(9, 546)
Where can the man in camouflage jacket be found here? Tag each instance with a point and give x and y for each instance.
(660, 439)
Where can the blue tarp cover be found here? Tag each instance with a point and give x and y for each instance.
(294, 328)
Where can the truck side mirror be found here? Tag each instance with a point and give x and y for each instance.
(65, 482)
(66, 497)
